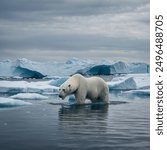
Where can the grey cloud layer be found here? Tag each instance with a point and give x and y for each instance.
(69, 7)
(74, 25)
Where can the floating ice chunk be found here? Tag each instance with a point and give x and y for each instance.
(142, 80)
(130, 82)
(126, 84)
(142, 92)
(8, 102)
(29, 96)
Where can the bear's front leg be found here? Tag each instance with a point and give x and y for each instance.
(80, 97)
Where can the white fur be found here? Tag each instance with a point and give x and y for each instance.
(93, 88)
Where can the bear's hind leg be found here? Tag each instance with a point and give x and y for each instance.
(105, 96)
(106, 99)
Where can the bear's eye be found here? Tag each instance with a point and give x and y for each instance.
(63, 90)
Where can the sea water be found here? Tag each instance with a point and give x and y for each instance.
(122, 125)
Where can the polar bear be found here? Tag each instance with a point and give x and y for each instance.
(93, 88)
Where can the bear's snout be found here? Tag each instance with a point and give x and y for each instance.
(60, 96)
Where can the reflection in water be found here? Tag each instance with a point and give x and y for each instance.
(103, 126)
(83, 126)
(83, 109)
(84, 115)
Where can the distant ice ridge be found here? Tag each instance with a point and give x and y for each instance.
(29, 96)
(9, 102)
(115, 68)
(30, 69)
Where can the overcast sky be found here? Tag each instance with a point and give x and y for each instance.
(59, 29)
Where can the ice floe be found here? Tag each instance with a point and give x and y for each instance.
(9, 102)
(15, 87)
(29, 96)
(130, 82)
(141, 92)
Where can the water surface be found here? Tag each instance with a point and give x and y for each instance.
(41, 126)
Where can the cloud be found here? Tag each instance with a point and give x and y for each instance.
(68, 8)
(62, 25)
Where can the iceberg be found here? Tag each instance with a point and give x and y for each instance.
(53, 68)
(6, 68)
(27, 73)
(120, 67)
(45, 68)
(8, 102)
(138, 68)
(29, 96)
(95, 70)
(115, 68)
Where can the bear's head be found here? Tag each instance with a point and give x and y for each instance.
(67, 88)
